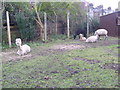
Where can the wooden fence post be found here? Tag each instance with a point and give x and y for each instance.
(56, 25)
(68, 27)
(45, 25)
(8, 29)
(87, 19)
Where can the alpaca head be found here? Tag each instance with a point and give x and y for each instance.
(97, 36)
(81, 35)
(18, 41)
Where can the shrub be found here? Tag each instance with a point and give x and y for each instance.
(26, 26)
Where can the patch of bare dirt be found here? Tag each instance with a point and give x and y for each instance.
(86, 60)
(10, 54)
(68, 46)
(100, 43)
(113, 66)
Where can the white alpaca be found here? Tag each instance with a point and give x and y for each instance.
(92, 39)
(101, 32)
(22, 49)
(82, 38)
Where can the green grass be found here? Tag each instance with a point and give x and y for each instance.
(113, 38)
(63, 70)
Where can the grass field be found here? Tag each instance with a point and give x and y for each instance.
(93, 66)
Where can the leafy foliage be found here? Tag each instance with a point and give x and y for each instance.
(25, 14)
(26, 26)
(94, 25)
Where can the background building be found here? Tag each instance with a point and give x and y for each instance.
(111, 23)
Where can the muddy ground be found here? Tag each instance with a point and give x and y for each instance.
(10, 54)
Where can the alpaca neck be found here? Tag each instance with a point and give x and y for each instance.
(19, 47)
(97, 36)
(80, 38)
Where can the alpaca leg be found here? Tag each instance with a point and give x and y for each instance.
(79, 37)
(106, 37)
(23, 53)
(98, 37)
(18, 52)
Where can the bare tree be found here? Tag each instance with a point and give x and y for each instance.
(38, 20)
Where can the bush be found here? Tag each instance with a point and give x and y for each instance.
(4, 37)
(26, 26)
(94, 25)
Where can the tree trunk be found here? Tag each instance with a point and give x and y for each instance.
(39, 23)
(1, 23)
